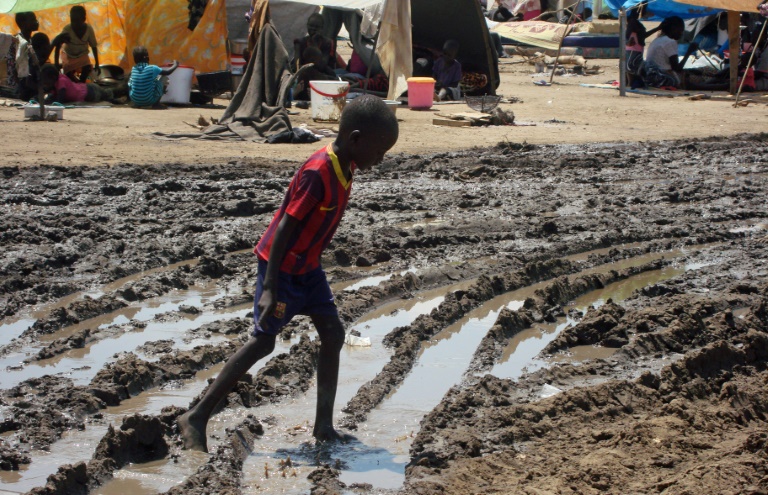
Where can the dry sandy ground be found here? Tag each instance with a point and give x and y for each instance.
(562, 113)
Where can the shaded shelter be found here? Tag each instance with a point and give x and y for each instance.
(687, 9)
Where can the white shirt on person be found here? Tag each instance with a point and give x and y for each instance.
(660, 51)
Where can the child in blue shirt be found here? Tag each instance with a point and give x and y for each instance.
(145, 88)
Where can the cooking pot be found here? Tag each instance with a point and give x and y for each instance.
(111, 72)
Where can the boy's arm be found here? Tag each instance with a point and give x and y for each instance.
(285, 230)
(169, 70)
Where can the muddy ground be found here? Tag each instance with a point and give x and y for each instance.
(680, 407)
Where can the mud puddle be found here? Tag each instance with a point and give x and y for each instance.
(522, 354)
(288, 423)
(81, 365)
(390, 428)
(380, 452)
(74, 446)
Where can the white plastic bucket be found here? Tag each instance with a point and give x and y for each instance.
(179, 85)
(328, 99)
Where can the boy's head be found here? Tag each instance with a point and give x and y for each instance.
(140, 55)
(315, 24)
(313, 55)
(587, 13)
(41, 44)
(49, 74)
(450, 50)
(77, 16)
(367, 130)
(673, 27)
(27, 22)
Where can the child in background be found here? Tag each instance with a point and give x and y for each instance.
(290, 279)
(75, 53)
(636, 36)
(447, 72)
(145, 86)
(62, 89)
(320, 72)
(662, 67)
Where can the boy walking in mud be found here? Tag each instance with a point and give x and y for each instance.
(290, 279)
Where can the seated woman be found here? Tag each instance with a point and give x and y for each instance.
(662, 67)
(314, 37)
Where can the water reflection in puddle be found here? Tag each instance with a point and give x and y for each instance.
(381, 452)
(520, 356)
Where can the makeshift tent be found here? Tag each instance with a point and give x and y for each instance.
(429, 27)
(698, 8)
(160, 25)
(462, 20)
(659, 9)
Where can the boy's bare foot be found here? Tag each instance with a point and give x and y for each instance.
(329, 434)
(192, 432)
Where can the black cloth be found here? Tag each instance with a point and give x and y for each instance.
(257, 109)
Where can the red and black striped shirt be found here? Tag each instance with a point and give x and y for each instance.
(317, 198)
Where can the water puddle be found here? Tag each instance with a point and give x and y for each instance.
(292, 419)
(74, 446)
(379, 454)
(17, 325)
(520, 356)
(373, 281)
(749, 229)
(81, 365)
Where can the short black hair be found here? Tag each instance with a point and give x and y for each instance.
(49, 71)
(77, 9)
(24, 17)
(40, 40)
(451, 45)
(366, 113)
(671, 23)
(140, 54)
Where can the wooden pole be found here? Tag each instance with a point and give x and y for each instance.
(749, 64)
(623, 52)
(560, 46)
(373, 55)
(734, 41)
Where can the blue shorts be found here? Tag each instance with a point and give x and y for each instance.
(306, 294)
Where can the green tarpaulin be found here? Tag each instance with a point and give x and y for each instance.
(12, 6)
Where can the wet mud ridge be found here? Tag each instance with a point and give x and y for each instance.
(549, 319)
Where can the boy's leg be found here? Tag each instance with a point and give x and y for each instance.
(193, 423)
(331, 332)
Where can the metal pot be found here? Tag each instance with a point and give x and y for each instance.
(238, 47)
(114, 72)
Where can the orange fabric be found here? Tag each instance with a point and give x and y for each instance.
(105, 16)
(160, 25)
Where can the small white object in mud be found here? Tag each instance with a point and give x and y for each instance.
(548, 391)
(354, 340)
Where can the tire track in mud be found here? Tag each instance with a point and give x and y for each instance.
(535, 220)
(602, 411)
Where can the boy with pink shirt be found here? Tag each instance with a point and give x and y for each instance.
(62, 89)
